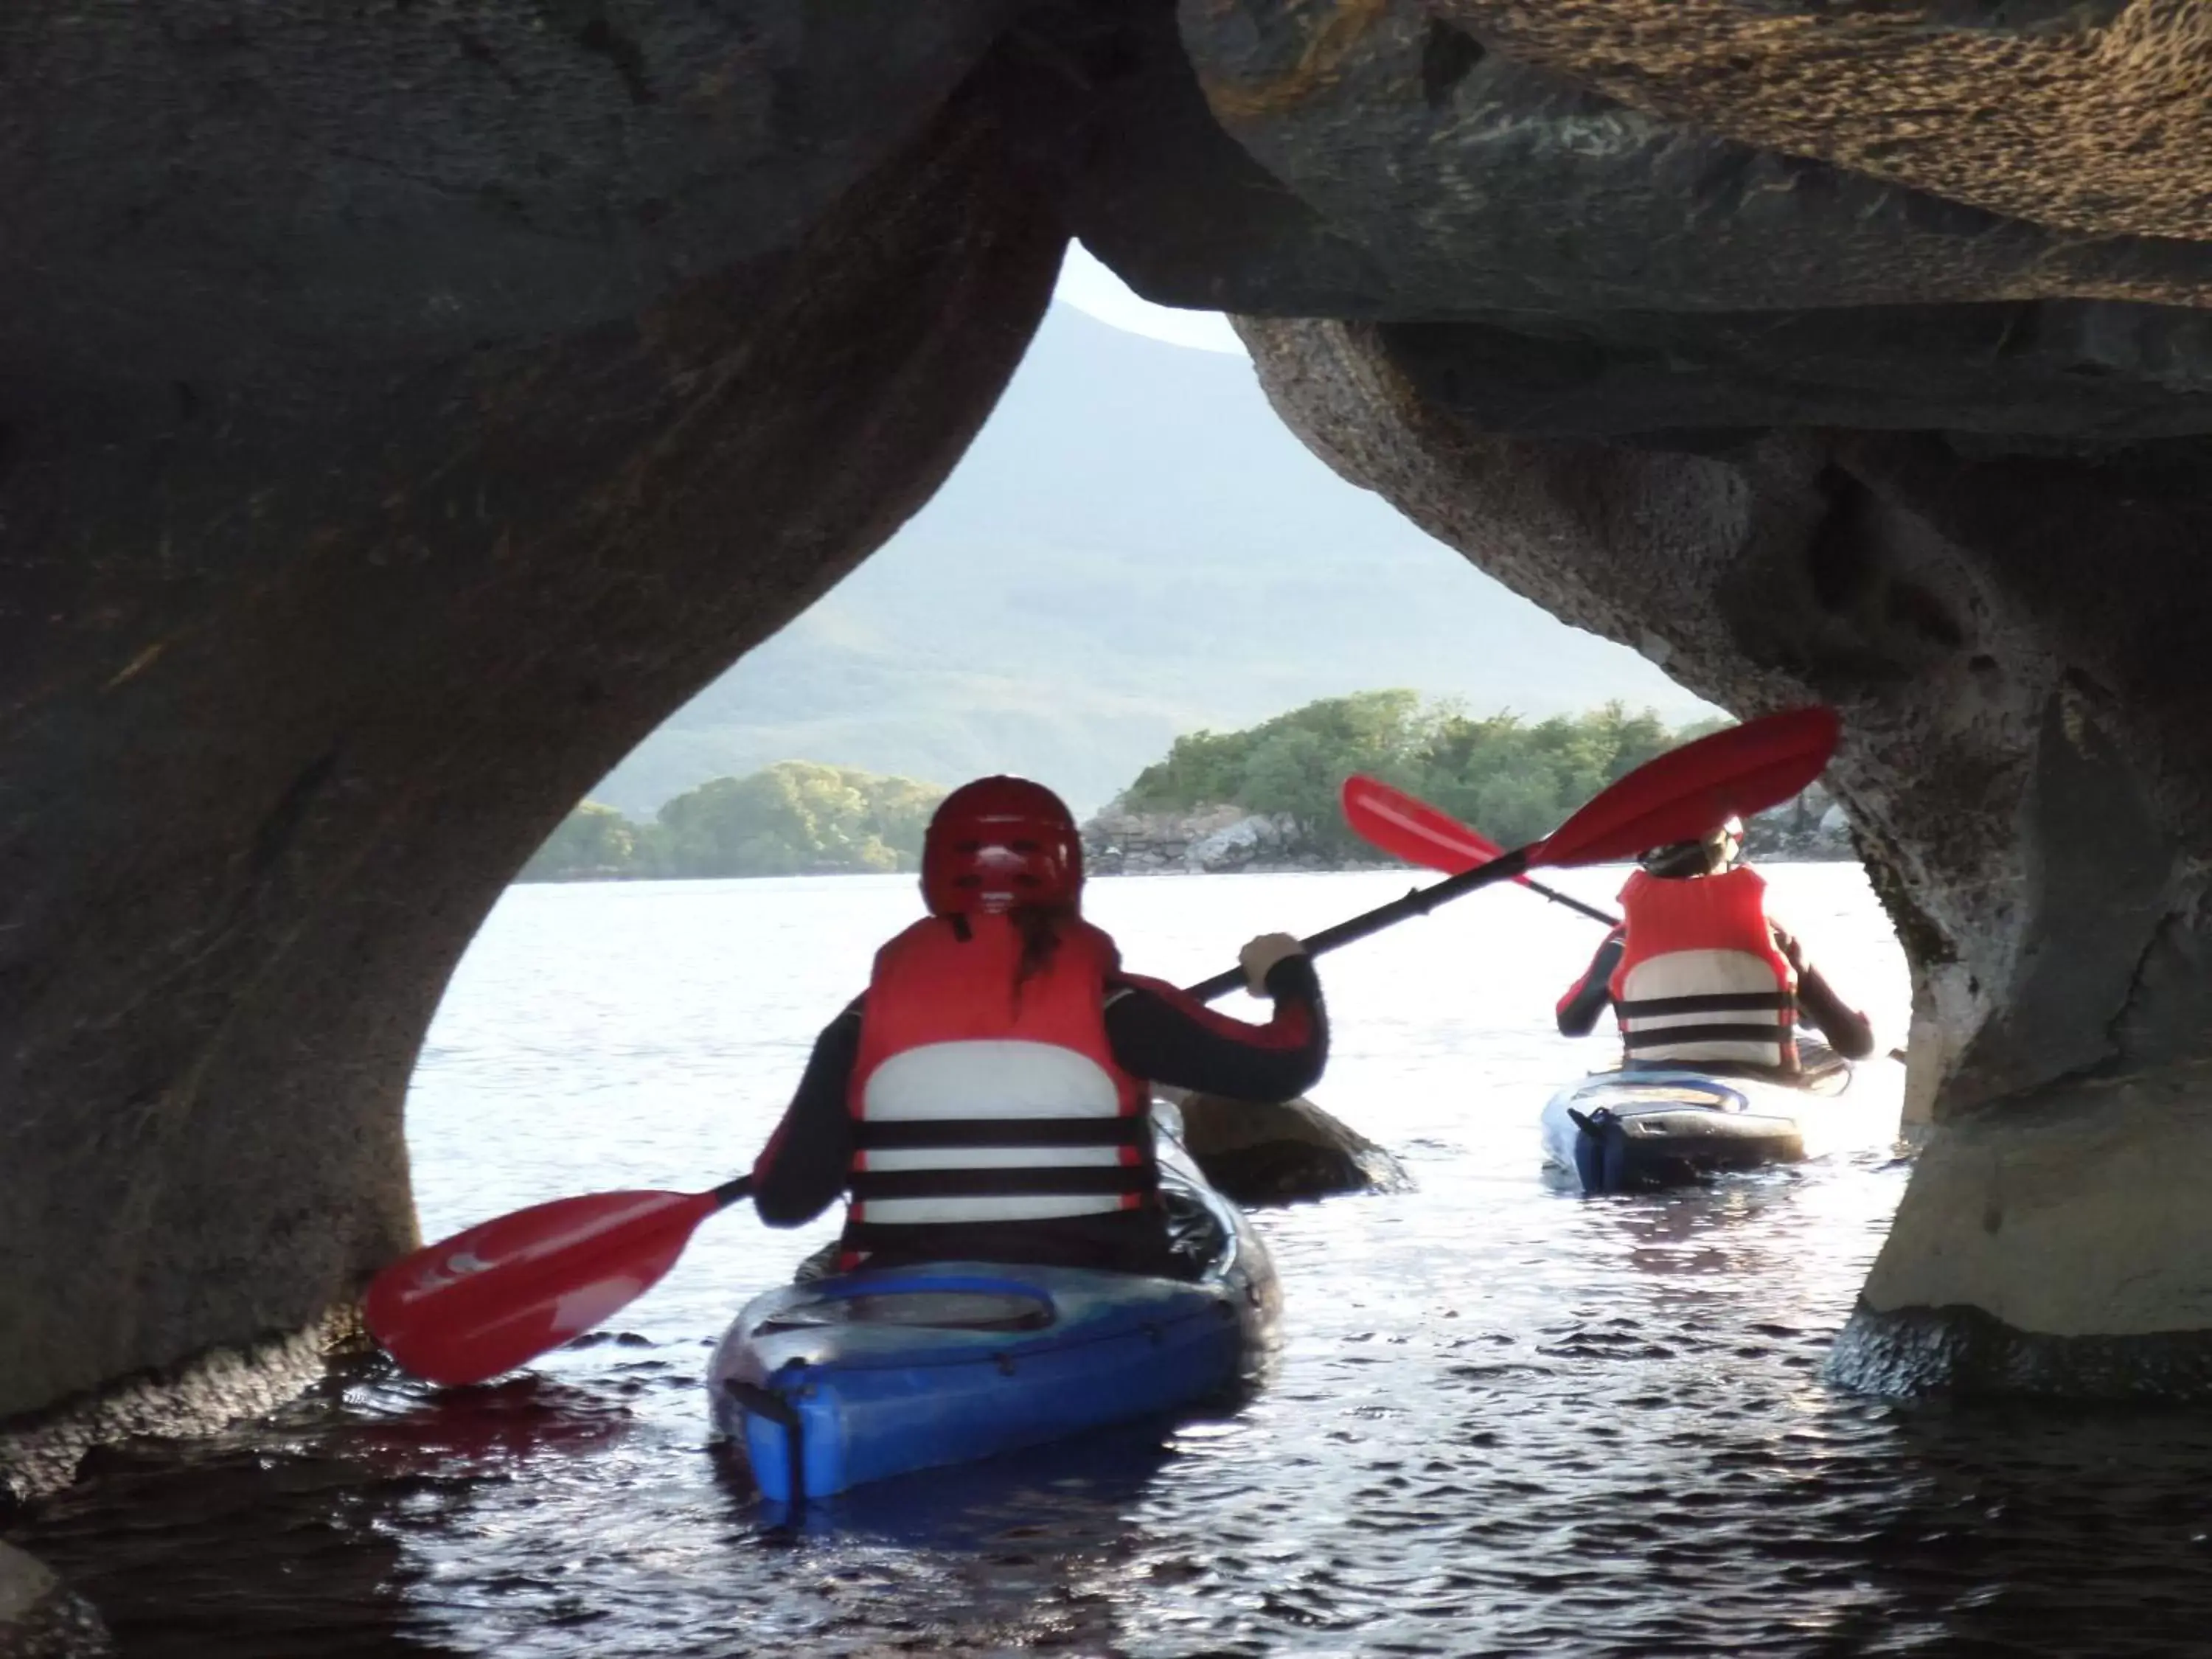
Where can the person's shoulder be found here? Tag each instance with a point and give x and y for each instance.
(1095, 942)
(920, 927)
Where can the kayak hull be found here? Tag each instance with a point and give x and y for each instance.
(1644, 1130)
(862, 1376)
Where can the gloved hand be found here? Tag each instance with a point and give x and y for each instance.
(1262, 954)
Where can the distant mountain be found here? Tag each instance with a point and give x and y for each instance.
(1133, 547)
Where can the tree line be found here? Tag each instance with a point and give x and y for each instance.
(794, 818)
(1513, 779)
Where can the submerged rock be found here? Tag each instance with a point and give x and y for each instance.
(41, 1617)
(40, 1452)
(1281, 1152)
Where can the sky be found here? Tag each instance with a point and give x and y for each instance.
(1090, 287)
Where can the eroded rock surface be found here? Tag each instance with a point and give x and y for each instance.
(2024, 758)
(1812, 827)
(400, 413)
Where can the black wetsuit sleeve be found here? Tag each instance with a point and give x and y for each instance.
(803, 1168)
(1849, 1032)
(1579, 1009)
(1160, 1035)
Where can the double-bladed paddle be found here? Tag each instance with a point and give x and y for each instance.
(1406, 826)
(1677, 796)
(503, 1292)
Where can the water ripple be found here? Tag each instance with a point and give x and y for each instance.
(1505, 1421)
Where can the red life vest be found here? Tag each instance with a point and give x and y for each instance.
(977, 1099)
(1700, 979)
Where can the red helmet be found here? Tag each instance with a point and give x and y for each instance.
(998, 843)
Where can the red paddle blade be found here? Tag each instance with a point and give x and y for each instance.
(506, 1290)
(1395, 822)
(1685, 792)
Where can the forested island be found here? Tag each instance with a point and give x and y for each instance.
(1264, 797)
(1514, 779)
(794, 818)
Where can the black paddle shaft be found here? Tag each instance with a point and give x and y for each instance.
(1419, 903)
(1572, 903)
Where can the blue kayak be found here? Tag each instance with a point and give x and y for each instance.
(853, 1378)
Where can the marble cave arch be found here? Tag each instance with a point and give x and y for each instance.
(404, 405)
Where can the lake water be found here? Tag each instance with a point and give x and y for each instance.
(1505, 1420)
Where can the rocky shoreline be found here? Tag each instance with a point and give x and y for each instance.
(1210, 840)
(1225, 840)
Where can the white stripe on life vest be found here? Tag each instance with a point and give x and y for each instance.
(917, 1211)
(987, 1078)
(1710, 1017)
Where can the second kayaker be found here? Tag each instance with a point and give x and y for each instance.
(1701, 975)
(987, 1097)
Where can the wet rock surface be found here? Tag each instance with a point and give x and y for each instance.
(2050, 1245)
(1280, 1152)
(42, 1451)
(41, 1618)
(1812, 826)
(1964, 1354)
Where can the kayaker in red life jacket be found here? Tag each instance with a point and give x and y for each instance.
(987, 1098)
(1701, 975)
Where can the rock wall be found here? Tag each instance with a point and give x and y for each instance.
(1706, 326)
(1812, 828)
(366, 498)
(2016, 766)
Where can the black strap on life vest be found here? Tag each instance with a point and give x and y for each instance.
(953, 1133)
(1780, 1004)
